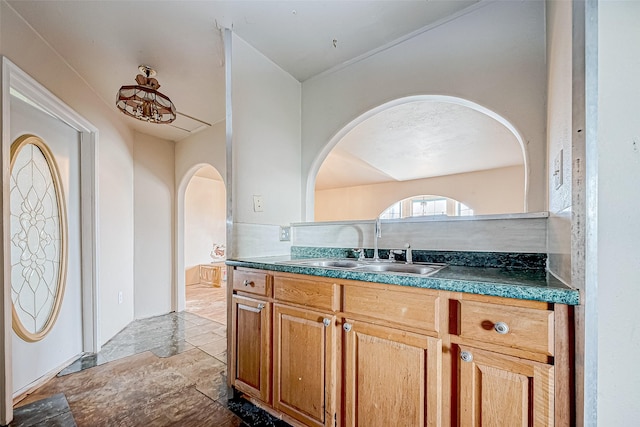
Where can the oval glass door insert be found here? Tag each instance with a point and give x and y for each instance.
(38, 238)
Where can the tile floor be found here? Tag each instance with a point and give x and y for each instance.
(166, 370)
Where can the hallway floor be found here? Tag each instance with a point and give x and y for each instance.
(161, 371)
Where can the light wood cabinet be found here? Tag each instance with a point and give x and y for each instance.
(500, 390)
(210, 274)
(503, 366)
(304, 364)
(322, 352)
(250, 282)
(404, 307)
(529, 329)
(391, 377)
(251, 346)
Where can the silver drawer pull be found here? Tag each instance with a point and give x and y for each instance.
(347, 327)
(466, 356)
(326, 321)
(247, 282)
(260, 306)
(501, 328)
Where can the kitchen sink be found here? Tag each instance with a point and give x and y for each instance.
(381, 266)
(400, 268)
(331, 263)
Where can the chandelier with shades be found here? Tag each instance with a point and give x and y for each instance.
(143, 101)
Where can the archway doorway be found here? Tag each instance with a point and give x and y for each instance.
(423, 144)
(204, 248)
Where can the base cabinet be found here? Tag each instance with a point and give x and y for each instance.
(324, 353)
(391, 377)
(500, 390)
(251, 341)
(303, 365)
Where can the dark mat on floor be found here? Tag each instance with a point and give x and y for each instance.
(252, 415)
(53, 411)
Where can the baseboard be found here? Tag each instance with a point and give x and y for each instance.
(29, 389)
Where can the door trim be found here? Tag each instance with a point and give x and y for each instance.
(12, 77)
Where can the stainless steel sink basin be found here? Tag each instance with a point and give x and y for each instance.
(331, 263)
(400, 268)
(382, 266)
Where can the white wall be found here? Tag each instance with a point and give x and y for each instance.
(616, 182)
(207, 147)
(115, 165)
(266, 149)
(493, 56)
(205, 219)
(494, 191)
(153, 225)
(559, 110)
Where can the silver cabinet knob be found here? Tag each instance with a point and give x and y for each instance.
(246, 282)
(346, 327)
(326, 321)
(260, 306)
(466, 356)
(501, 328)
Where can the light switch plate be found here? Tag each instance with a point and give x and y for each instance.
(557, 171)
(258, 204)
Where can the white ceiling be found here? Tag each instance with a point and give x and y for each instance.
(106, 41)
(419, 140)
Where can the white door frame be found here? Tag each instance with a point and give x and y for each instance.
(13, 77)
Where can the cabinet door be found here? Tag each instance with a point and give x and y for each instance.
(499, 390)
(304, 365)
(251, 342)
(391, 377)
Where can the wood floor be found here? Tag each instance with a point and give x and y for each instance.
(164, 371)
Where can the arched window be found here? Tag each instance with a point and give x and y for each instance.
(426, 206)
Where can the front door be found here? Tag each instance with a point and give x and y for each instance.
(33, 360)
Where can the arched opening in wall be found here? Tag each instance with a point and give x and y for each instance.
(205, 244)
(426, 205)
(423, 144)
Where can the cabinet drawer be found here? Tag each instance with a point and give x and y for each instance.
(305, 292)
(414, 309)
(518, 327)
(252, 282)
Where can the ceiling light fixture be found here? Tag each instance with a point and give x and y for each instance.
(143, 101)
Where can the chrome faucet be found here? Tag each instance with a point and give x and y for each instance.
(360, 253)
(377, 234)
(409, 254)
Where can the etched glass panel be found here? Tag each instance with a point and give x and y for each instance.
(37, 239)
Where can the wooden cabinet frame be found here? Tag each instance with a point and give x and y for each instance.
(536, 357)
(250, 356)
(424, 376)
(299, 391)
(520, 390)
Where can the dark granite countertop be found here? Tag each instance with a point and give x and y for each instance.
(529, 284)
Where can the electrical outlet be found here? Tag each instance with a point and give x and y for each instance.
(557, 171)
(120, 298)
(258, 203)
(285, 234)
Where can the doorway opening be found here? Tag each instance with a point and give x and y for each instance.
(422, 144)
(205, 244)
